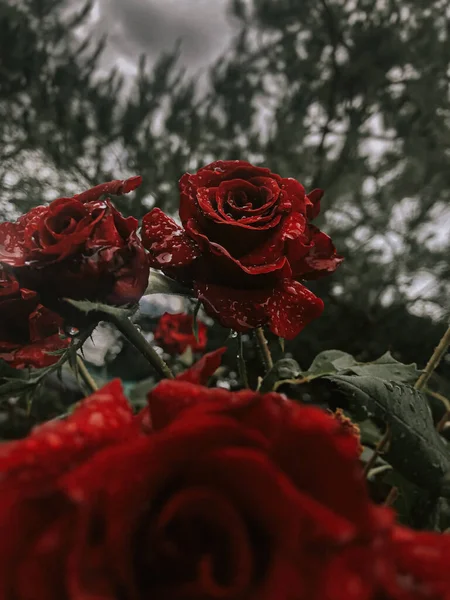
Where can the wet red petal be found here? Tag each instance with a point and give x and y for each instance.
(58, 446)
(240, 310)
(260, 193)
(292, 228)
(294, 194)
(420, 560)
(291, 307)
(43, 322)
(204, 368)
(321, 258)
(167, 242)
(224, 170)
(168, 399)
(117, 187)
(313, 208)
(218, 250)
(188, 202)
(11, 244)
(36, 354)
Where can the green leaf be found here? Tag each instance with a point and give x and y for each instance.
(416, 450)
(160, 284)
(386, 367)
(284, 370)
(139, 391)
(187, 358)
(330, 361)
(14, 387)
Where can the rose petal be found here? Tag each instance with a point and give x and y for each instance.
(43, 322)
(167, 242)
(293, 194)
(278, 265)
(204, 368)
(313, 208)
(58, 446)
(261, 194)
(36, 531)
(169, 399)
(36, 354)
(117, 187)
(320, 260)
(420, 560)
(290, 308)
(59, 246)
(224, 170)
(239, 310)
(292, 228)
(11, 244)
(211, 176)
(113, 229)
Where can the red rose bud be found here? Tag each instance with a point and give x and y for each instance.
(79, 247)
(174, 333)
(28, 330)
(244, 245)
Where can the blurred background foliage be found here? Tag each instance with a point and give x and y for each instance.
(348, 95)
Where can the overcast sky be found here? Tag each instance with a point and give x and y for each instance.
(153, 26)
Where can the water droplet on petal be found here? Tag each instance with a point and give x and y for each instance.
(165, 257)
(97, 419)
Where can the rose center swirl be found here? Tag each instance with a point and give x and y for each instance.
(199, 543)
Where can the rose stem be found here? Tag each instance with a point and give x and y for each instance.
(440, 426)
(391, 497)
(241, 362)
(435, 359)
(378, 449)
(85, 375)
(126, 328)
(264, 348)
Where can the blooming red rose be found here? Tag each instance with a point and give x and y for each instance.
(79, 247)
(220, 495)
(175, 333)
(245, 244)
(28, 330)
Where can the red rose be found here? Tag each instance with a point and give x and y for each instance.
(79, 247)
(28, 330)
(245, 243)
(226, 495)
(175, 333)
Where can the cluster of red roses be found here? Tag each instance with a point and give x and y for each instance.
(244, 244)
(205, 494)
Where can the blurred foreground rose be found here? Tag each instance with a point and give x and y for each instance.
(28, 330)
(245, 244)
(175, 333)
(206, 494)
(79, 247)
